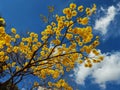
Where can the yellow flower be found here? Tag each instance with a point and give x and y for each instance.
(42, 53)
(96, 42)
(66, 23)
(66, 11)
(8, 50)
(69, 36)
(32, 34)
(49, 27)
(88, 29)
(65, 85)
(94, 5)
(56, 74)
(69, 88)
(2, 30)
(58, 85)
(50, 84)
(89, 65)
(67, 69)
(7, 39)
(57, 41)
(97, 37)
(84, 21)
(74, 13)
(13, 64)
(94, 61)
(79, 20)
(72, 5)
(75, 30)
(80, 61)
(53, 24)
(86, 65)
(36, 36)
(34, 47)
(2, 53)
(17, 36)
(6, 57)
(62, 18)
(38, 44)
(5, 67)
(2, 21)
(93, 8)
(36, 84)
(88, 11)
(101, 57)
(13, 30)
(15, 49)
(80, 8)
(35, 40)
(80, 43)
(95, 52)
(69, 16)
(48, 31)
(80, 55)
(60, 23)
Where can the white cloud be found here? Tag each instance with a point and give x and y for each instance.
(81, 73)
(101, 73)
(102, 23)
(118, 7)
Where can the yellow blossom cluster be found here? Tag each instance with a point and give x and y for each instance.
(2, 22)
(60, 84)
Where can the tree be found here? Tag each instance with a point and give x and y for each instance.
(66, 41)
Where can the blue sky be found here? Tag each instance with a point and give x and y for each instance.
(24, 15)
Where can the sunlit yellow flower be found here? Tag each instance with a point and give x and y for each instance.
(7, 39)
(62, 18)
(2, 20)
(2, 53)
(13, 64)
(36, 84)
(96, 42)
(95, 52)
(69, 36)
(53, 24)
(72, 5)
(32, 34)
(56, 74)
(6, 57)
(8, 50)
(80, 43)
(80, 8)
(74, 13)
(17, 36)
(101, 57)
(79, 20)
(84, 21)
(93, 8)
(15, 49)
(67, 11)
(36, 36)
(67, 69)
(13, 30)
(35, 40)
(50, 84)
(2, 30)
(49, 27)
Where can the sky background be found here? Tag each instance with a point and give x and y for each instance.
(24, 15)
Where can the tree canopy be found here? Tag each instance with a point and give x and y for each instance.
(66, 41)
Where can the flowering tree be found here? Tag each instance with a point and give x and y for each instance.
(66, 41)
